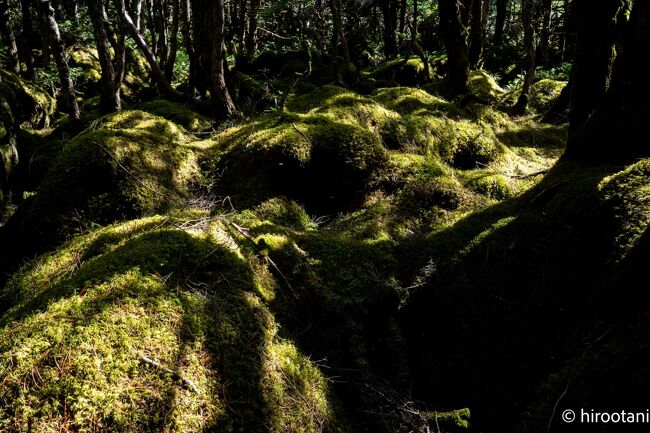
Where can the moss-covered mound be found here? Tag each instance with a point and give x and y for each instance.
(124, 165)
(538, 293)
(145, 326)
(403, 72)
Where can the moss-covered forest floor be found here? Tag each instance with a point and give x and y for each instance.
(358, 260)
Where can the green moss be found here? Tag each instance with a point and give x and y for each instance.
(627, 193)
(453, 421)
(177, 113)
(84, 317)
(544, 92)
(27, 101)
(483, 85)
(409, 73)
(494, 186)
(284, 212)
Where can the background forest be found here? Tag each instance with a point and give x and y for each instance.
(323, 216)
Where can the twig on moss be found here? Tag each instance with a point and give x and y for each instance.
(174, 374)
(526, 176)
(300, 132)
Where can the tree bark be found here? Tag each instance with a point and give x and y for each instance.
(594, 54)
(613, 132)
(109, 94)
(173, 41)
(159, 78)
(500, 21)
(545, 32)
(457, 57)
(26, 38)
(220, 96)
(8, 37)
(58, 50)
(389, 12)
(529, 43)
(476, 34)
(338, 37)
(251, 32)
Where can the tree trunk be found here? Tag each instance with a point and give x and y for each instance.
(109, 94)
(389, 12)
(457, 57)
(58, 50)
(476, 34)
(596, 36)
(529, 43)
(251, 32)
(187, 39)
(241, 25)
(545, 32)
(45, 37)
(465, 12)
(173, 41)
(220, 97)
(70, 7)
(8, 37)
(26, 38)
(156, 73)
(137, 14)
(500, 21)
(338, 36)
(613, 132)
(202, 40)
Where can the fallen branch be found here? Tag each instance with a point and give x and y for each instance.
(526, 176)
(174, 374)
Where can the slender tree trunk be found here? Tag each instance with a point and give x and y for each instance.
(241, 25)
(476, 34)
(500, 21)
(58, 10)
(457, 57)
(389, 12)
(187, 40)
(545, 33)
(173, 41)
(202, 41)
(45, 36)
(595, 40)
(414, 46)
(26, 38)
(58, 50)
(613, 133)
(251, 32)
(151, 23)
(156, 72)
(137, 14)
(338, 36)
(160, 19)
(403, 6)
(109, 94)
(8, 37)
(529, 43)
(465, 12)
(220, 97)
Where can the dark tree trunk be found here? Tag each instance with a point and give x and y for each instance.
(8, 37)
(457, 57)
(545, 32)
(403, 6)
(465, 12)
(241, 25)
(202, 40)
(414, 46)
(220, 97)
(476, 33)
(151, 24)
(26, 38)
(251, 32)
(70, 7)
(58, 50)
(500, 21)
(58, 10)
(389, 12)
(173, 41)
(613, 132)
(109, 93)
(45, 36)
(527, 7)
(187, 38)
(596, 36)
(156, 72)
(338, 36)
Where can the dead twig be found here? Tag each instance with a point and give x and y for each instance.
(174, 374)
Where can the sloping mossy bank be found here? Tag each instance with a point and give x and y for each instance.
(86, 316)
(538, 299)
(123, 166)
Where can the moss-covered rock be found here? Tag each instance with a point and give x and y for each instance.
(116, 331)
(544, 93)
(483, 85)
(128, 164)
(400, 72)
(178, 113)
(27, 102)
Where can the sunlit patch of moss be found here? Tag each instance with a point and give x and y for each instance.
(285, 212)
(180, 114)
(544, 92)
(627, 193)
(495, 186)
(86, 318)
(87, 59)
(483, 85)
(453, 421)
(407, 73)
